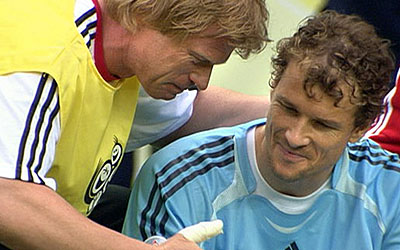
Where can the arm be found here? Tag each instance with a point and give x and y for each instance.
(391, 240)
(34, 217)
(217, 107)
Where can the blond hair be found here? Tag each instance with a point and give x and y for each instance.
(242, 22)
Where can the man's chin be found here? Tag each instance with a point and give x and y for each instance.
(164, 96)
(286, 175)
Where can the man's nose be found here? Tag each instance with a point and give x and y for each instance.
(201, 76)
(298, 134)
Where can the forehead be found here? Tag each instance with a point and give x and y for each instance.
(291, 89)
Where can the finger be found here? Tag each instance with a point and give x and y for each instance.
(202, 231)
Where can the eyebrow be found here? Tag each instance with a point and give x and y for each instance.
(285, 101)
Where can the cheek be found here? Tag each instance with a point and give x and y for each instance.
(329, 148)
(273, 115)
(159, 72)
(277, 122)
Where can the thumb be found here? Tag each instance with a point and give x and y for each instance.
(202, 231)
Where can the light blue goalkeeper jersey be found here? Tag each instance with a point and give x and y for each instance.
(208, 175)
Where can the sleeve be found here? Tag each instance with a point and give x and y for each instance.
(30, 128)
(155, 119)
(385, 129)
(162, 201)
(388, 201)
(392, 237)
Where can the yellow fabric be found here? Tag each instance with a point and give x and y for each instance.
(41, 36)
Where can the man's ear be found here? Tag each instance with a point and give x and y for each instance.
(357, 134)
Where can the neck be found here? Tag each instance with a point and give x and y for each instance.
(115, 41)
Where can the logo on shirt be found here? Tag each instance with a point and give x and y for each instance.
(102, 177)
(292, 246)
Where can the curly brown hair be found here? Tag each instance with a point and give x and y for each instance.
(242, 22)
(339, 48)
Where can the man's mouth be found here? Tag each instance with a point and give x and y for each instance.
(193, 87)
(291, 155)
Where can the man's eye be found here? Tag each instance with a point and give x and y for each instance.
(289, 109)
(201, 63)
(322, 125)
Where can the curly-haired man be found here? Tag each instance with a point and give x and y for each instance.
(301, 178)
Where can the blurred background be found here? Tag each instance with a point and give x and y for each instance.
(251, 76)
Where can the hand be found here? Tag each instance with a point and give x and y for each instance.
(178, 242)
(195, 233)
(202, 231)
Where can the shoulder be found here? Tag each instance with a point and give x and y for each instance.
(369, 153)
(204, 159)
(376, 173)
(206, 141)
(190, 161)
(370, 163)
